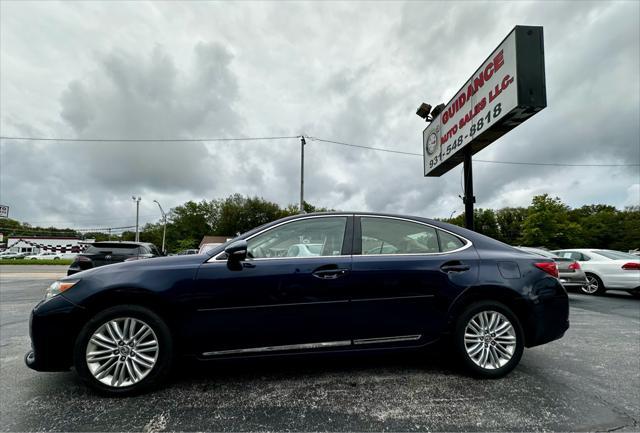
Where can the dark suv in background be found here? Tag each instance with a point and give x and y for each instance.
(106, 253)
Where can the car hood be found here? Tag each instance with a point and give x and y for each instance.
(143, 264)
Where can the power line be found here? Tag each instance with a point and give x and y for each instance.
(91, 220)
(378, 149)
(146, 140)
(381, 149)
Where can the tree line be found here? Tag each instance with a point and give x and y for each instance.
(547, 222)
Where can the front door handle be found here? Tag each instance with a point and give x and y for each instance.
(455, 267)
(330, 274)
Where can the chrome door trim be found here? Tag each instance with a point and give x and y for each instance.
(464, 247)
(292, 304)
(318, 345)
(340, 215)
(395, 339)
(393, 298)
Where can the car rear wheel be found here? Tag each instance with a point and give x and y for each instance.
(488, 339)
(124, 350)
(594, 286)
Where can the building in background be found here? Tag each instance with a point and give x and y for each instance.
(36, 245)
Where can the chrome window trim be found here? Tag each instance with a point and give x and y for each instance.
(347, 215)
(468, 243)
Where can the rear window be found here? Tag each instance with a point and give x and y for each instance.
(128, 249)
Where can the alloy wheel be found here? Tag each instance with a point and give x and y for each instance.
(592, 285)
(122, 352)
(490, 340)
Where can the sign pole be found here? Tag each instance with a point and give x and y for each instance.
(302, 143)
(469, 199)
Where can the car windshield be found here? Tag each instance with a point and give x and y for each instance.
(616, 255)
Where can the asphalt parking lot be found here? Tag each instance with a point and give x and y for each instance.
(589, 380)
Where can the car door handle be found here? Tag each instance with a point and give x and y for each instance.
(455, 267)
(330, 274)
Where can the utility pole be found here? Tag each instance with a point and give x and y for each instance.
(109, 233)
(164, 228)
(469, 199)
(302, 143)
(137, 200)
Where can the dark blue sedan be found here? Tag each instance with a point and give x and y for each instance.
(315, 283)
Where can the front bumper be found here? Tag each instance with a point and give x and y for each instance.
(53, 327)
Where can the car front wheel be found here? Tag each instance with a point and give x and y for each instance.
(124, 350)
(594, 286)
(489, 339)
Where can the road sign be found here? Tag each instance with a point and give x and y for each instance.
(4, 211)
(505, 91)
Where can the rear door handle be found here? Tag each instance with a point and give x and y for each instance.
(330, 274)
(455, 267)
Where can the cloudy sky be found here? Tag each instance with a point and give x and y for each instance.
(348, 71)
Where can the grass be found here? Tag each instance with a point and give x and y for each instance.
(35, 262)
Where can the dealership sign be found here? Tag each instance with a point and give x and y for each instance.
(505, 91)
(4, 211)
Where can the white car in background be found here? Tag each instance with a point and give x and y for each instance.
(607, 269)
(47, 255)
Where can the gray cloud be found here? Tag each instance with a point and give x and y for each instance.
(346, 72)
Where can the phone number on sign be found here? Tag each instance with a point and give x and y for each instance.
(458, 141)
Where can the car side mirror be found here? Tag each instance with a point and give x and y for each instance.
(237, 251)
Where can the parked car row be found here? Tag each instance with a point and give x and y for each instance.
(44, 255)
(606, 269)
(5, 255)
(594, 271)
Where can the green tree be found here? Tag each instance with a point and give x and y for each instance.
(238, 214)
(547, 224)
(510, 220)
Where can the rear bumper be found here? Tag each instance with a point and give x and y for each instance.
(548, 315)
(53, 327)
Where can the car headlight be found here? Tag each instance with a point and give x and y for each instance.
(59, 287)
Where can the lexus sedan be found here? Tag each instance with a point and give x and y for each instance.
(607, 269)
(122, 326)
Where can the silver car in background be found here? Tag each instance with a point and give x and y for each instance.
(607, 269)
(570, 272)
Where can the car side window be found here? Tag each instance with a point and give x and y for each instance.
(391, 236)
(320, 236)
(449, 242)
(584, 258)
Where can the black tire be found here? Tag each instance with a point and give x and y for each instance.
(460, 348)
(157, 374)
(594, 287)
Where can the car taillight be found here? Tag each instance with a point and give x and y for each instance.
(574, 266)
(82, 259)
(631, 265)
(549, 267)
